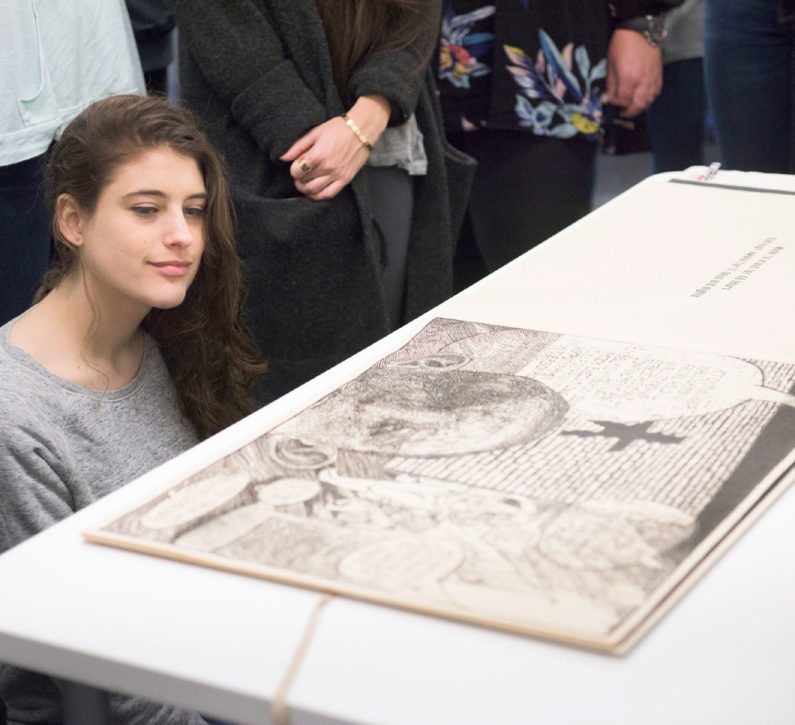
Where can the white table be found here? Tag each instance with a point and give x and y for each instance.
(221, 643)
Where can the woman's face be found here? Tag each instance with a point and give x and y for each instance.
(142, 245)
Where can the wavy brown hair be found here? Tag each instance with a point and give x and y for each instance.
(357, 28)
(209, 355)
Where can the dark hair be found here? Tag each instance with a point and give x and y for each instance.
(209, 355)
(357, 28)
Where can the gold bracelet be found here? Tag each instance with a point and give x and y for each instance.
(357, 132)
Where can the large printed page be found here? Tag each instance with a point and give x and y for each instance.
(673, 261)
(547, 483)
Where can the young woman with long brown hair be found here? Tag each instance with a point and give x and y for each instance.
(134, 351)
(348, 196)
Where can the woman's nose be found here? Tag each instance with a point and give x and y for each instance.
(179, 231)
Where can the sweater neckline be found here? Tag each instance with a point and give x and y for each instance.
(34, 366)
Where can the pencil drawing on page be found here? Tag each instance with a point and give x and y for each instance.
(553, 484)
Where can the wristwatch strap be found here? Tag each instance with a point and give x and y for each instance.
(651, 27)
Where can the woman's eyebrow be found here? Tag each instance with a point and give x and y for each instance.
(145, 192)
(162, 194)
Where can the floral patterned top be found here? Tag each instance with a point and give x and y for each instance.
(528, 65)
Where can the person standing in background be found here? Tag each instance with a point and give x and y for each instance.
(57, 57)
(749, 66)
(347, 194)
(522, 86)
(677, 119)
(153, 26)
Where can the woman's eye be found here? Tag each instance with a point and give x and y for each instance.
(196, 211)
(144, 210)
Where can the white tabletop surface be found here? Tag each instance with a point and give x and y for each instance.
(221, 643)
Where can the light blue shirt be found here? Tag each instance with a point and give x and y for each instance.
(57, 57)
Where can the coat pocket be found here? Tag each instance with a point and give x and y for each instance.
(37, 104)
(313, 291)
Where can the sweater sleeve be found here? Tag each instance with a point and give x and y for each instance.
(241, 58)
(625, 9)
(34, 475)
(397, 74)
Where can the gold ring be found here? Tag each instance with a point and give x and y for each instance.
(303, 165)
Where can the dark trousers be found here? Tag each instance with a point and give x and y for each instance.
(392, 198)
(526, 189)
(24, 235)
(677, 118)
(749, 64)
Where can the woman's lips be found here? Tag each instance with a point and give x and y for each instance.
(172, 267)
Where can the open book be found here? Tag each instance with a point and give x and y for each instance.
(543, 482)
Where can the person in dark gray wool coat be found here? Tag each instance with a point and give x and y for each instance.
(300, 95)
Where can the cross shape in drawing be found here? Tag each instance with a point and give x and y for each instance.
(625, 434)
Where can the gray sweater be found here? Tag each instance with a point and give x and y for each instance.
(62, 447)
(685, 32)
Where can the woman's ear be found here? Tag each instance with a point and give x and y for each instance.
(71, 220)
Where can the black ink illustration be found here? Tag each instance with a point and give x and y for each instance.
(546, 483)
(625, 434)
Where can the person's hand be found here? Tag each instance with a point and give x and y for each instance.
(325, 160)
(634, 72)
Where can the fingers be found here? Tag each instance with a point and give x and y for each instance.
(637, 94)
(312, 177)
(633, 110)
(616, 87)
(329, 191)
(324, 186)
(632, 104)
(301, 146)
(633, 93)
(634, 99)
(611, 92)
(326, 159)
(301, 169)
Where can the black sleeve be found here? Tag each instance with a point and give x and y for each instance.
(242, 59)
(398, 74)
(625, 9)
